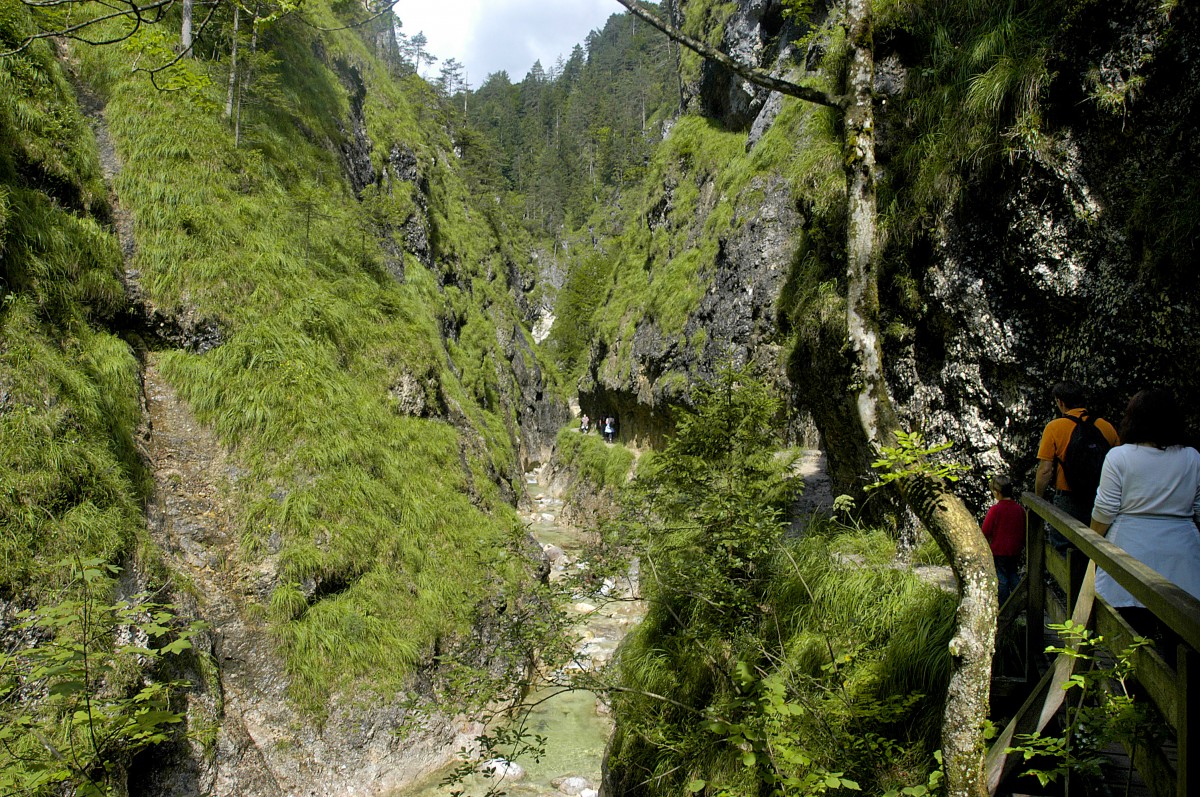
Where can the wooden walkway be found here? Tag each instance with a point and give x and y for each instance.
(1169, 680)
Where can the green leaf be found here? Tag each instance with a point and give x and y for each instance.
(176, 647)
(696, 786)
(749, 758)
(64, 688)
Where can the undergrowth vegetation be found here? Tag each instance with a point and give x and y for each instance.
(602, 465)
(795, 665)
(74, 707)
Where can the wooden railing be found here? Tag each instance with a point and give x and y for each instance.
(1172, 687)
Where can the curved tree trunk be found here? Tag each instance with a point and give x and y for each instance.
(973, 644)
(874, 402)
(943, 513)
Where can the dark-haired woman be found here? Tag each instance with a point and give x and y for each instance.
(1149, 496)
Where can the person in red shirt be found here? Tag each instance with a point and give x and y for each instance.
(1004, 529)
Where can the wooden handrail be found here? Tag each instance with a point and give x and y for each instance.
(1172, 605)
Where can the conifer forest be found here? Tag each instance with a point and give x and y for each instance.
(624, 428)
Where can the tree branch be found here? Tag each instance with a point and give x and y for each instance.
(758, 77)
(134, 12)
(153, 71)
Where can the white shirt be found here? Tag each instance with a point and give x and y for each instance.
(1144, 480)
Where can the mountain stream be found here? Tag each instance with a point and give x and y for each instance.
(575, 724)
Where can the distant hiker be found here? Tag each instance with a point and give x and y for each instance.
(610, 429)
(1071, 454)
(1004, 529)
(1149, 504)
(583, 424)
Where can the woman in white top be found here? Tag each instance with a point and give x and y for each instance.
(1149, 496)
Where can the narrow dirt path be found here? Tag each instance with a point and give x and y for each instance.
(190, 520)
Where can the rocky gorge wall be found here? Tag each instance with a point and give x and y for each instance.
(1071, 257)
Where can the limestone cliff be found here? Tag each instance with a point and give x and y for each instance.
(1067, 257)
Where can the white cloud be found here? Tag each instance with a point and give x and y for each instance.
(490, 35)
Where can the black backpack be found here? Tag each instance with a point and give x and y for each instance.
(1084, 457)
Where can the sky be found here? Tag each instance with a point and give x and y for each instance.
(490, 35)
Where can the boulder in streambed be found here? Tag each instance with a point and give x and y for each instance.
(573, 785)
(503, 768)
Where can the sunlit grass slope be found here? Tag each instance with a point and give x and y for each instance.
(384, 541)
(70, 479)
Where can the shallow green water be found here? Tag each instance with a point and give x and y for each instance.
(575, 727)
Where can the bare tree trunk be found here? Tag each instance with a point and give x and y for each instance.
(233, 54)
(943, 513)
(185, 36)
(973, 644)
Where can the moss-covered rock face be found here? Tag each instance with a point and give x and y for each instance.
(1038, 193)
(1049, 265)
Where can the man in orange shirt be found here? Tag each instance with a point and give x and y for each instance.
(1071, 401)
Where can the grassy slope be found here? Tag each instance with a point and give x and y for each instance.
(700, 184)
(370, 508)
(70, 479)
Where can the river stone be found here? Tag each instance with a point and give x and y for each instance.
(572, 784)
(504, 768)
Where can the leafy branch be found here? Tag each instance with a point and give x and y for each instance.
(81, 701)
(911, 457)
(1104, 710)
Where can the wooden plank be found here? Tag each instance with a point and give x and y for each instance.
(1035, 577)
(1077, 565)
(1188, 770)
(1048, 696)
(1179, 610)
(1174, 691)
(1012, 608)
(1056, 566)
(1158, 679)
(1155, 768)
(1000, 764)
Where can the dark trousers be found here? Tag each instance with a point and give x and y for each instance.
(1007, 568)
(1078, 508)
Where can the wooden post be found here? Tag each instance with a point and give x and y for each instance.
(1187, 669)
(1077, 564)
(1035, 574)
